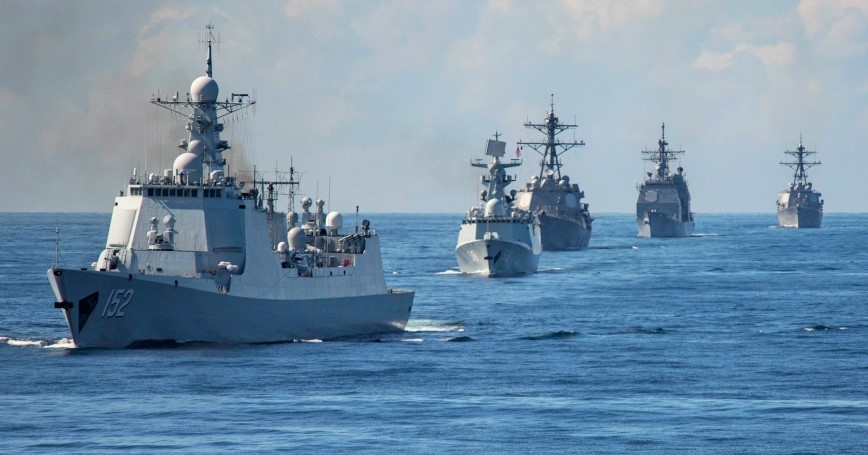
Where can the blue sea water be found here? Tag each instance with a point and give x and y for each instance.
(745, 338)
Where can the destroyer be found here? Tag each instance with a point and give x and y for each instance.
(196, 255)
(663, 207)
(565, 220)
(800, 206)
(496, 238)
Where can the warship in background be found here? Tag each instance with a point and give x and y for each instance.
(800, 206)
(194, 254)
(496, 238)
(663, 207)
(565, 220)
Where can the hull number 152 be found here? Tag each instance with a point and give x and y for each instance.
(117, 303)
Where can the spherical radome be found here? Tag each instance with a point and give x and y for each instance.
(196, 146)
(188, 164)
(204, 89)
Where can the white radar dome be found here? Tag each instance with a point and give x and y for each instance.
(196, 146)
(190, 165)
(494, 207)
(296, 238)
(204, 89)
(334, 221)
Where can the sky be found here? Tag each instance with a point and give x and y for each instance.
(382, 104)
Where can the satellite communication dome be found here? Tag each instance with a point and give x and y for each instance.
(188, 164)
(196, 146)
(493, 207)
(296, 238)
(204, 89)
(334, 221)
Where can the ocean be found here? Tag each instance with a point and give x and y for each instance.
(745, 338)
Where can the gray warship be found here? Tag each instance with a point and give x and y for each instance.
(799, 205)
(196, 254)
(565, 220)
(663, 207)
(496, 238)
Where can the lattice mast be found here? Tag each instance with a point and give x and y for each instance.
(552, 148)
(800, 166)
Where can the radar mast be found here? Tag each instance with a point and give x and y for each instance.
(551, 149)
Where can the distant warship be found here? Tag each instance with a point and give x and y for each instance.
(799, 205)
(496, 238)
(565, 220)
(663, 207)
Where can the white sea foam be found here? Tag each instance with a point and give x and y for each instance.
(429, 325)
(315, 340)
(449, 272)
(413, 340)
(19, 342)
(63, 343)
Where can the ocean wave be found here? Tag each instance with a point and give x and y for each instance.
(558, 335)
(429, 325)
(645, 330)
(459, 339)
(822, 328)
(449, 272)
(63, 343)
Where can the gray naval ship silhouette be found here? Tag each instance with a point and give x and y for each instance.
(799, 205)
(497, 238)
(194, 254)
(663, 206)
(564, 219)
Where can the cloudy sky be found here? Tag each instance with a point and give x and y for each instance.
(382, 104)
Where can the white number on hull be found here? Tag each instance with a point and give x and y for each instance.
(117, 302)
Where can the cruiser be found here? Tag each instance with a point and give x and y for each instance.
(799, 205)
(565, 220)
(196, 254)
(496, 238)
(663, 207)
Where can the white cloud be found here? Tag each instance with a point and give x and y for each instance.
(837, 28)
(780, 54)
(714, 61)
(165, 14)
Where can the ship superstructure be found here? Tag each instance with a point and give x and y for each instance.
(194, 254)
(663, 206)
(564, 218)
(496, 238)
(799, 205)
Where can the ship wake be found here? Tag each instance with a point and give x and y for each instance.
(63, 343)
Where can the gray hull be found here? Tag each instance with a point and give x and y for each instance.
(661, 225)
(800, 217)
(563, 234)
(115, 311)
(496, 258)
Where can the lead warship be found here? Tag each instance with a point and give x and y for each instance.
(193, 254)
(663, 207)
(496, 238)
(800, 206)
(565, 220)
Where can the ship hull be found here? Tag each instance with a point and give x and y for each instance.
(800, 217)
(496, 258)
(112, 310)
(663, 225)
(563, 234)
